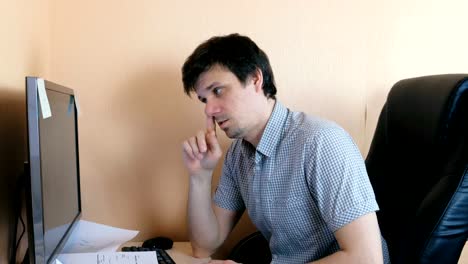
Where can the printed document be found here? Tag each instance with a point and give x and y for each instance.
(90, 237)
(143, 257)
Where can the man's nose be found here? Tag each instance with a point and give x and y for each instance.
(211, 108)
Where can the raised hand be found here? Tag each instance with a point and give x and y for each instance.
(202, 152)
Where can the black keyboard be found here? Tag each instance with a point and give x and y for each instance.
(163, 256)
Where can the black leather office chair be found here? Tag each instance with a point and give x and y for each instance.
(418, 166)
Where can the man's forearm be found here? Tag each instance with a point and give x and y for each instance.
(348, 258)
(203, 225)
(337, 257)
(360, 242)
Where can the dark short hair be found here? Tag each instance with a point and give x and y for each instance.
(237, 53)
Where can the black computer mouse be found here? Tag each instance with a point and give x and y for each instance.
(158, 242)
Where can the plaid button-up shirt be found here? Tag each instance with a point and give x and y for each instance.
(305, 180)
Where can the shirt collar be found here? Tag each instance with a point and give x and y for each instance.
(273, 130)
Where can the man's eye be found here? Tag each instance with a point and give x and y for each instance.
(217, 91)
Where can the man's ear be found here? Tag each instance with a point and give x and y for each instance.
(257, 80)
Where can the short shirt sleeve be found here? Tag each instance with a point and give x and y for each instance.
(228, 194)
(338, 179)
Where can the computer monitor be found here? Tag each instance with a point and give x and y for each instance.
(52, 175)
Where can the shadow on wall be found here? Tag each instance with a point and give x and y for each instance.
(13, 149)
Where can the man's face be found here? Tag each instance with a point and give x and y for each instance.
(229, 102)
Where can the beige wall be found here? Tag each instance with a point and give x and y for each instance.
(24, 50)
(336, 59)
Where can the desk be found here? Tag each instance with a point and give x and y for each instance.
(181, 253)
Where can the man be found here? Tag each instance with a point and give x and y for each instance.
(301, 178)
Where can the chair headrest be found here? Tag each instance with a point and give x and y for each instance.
(425, 111)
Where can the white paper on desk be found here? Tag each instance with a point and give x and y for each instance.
(89, 237)
(142, 257)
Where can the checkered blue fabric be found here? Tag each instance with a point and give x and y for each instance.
(305, 180)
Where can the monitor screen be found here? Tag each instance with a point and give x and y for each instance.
(53, 193)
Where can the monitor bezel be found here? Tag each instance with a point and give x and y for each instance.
(33, 175)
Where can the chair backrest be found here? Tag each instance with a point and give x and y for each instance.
(418, 166)
(252, 249)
